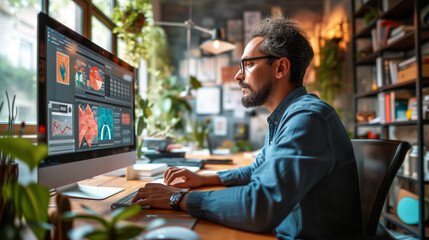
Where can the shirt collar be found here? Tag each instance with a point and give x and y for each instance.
(284, 104)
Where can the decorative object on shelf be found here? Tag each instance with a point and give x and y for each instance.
(407, 207)
(365, 116)
(21, 207)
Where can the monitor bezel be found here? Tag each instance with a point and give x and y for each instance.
(45, 21)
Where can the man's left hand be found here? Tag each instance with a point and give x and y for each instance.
(155, 195)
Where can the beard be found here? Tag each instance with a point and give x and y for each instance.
(255, 98)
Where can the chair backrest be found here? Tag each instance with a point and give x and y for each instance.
(378, 161)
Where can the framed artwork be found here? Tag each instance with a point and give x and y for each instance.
(250, 18)
(220, 126)
(208, 100)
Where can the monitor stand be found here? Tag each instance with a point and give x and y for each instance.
(75, 190)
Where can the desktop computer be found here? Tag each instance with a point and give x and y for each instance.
(85, 110)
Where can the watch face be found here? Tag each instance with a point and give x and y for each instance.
(175, 200)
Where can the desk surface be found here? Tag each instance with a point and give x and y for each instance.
(205, 229)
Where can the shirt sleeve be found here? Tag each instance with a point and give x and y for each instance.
(299, 157)
(241, 176)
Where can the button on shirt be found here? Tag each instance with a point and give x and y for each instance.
(303, 184)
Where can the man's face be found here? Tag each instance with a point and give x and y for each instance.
(255, 78)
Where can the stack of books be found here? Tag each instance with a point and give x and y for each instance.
(398, 33)
(146, 171)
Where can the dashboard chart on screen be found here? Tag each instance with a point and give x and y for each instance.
(86, 106)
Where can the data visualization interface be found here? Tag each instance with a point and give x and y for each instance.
(90, 99)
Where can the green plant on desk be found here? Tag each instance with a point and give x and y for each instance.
(21, 206)
(110, 228)
(199, 131)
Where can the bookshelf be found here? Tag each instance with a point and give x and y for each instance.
(399, 49)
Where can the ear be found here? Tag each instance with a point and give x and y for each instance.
(282, 68)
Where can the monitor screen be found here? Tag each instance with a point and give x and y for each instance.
(85, 108)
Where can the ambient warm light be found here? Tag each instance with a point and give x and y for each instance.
(216, 44)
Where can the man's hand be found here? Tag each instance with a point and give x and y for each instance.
(183, 178)
(155, 195)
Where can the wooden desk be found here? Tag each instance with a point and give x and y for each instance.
(205, 229)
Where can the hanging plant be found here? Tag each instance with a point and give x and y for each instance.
(329, 75)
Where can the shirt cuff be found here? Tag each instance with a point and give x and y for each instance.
(193, 204)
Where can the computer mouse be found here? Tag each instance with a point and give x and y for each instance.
(171, 232)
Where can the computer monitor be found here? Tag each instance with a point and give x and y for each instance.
(85, 110)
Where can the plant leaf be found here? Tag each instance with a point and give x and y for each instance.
(81, 232)
(24, 150)
(195, 83)
(125, 213)
(127, 231)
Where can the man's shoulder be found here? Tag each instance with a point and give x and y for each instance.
(310, 103)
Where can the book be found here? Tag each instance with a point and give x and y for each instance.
(387, 108)
(381, 107)
(393, 70)
(383, 28)
(399, 105)
(150, 169)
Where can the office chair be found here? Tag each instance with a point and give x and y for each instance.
(378, 161)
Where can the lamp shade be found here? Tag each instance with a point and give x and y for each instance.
(216, 45)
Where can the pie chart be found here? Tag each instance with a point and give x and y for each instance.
(94, 77)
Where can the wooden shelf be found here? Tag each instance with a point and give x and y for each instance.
(402, 85)
(406, 42)
(400, 123)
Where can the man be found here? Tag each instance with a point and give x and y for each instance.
(304, 182)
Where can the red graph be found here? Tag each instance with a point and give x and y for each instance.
(58, 128)
(94, 77)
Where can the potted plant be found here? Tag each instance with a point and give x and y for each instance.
(110, 228)
(21, 206)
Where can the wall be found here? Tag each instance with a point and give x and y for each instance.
(313, 16)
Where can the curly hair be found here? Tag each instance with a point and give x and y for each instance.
(283, 38)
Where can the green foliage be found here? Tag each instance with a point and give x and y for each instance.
(135, 26)
(199, 131)
(370, 15)
(17, 79)
(21, 205)
(24, 150)
(242, 146)
(109, 229)
(168, 108)
(26, 202)
(329, 75)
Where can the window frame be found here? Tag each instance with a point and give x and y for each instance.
(89, 10)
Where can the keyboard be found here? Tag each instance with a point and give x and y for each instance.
(125, 201)
(179, 161)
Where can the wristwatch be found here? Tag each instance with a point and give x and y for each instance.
(175, 200)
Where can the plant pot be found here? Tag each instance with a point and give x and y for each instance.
(8, 173)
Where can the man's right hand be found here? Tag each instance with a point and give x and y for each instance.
(183, 178)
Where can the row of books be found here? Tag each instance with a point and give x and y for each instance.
(393, 106)
(395, 69)
(400, 105)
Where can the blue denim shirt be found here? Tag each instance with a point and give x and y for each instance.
(303, 184)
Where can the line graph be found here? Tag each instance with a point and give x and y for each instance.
(61, 127)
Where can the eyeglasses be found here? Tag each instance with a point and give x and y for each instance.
(243, 68)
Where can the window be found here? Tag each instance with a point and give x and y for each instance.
(106, 6)
(68, 13)
(26, 54)
(101, 34)
(18, 58)
(18, 51)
